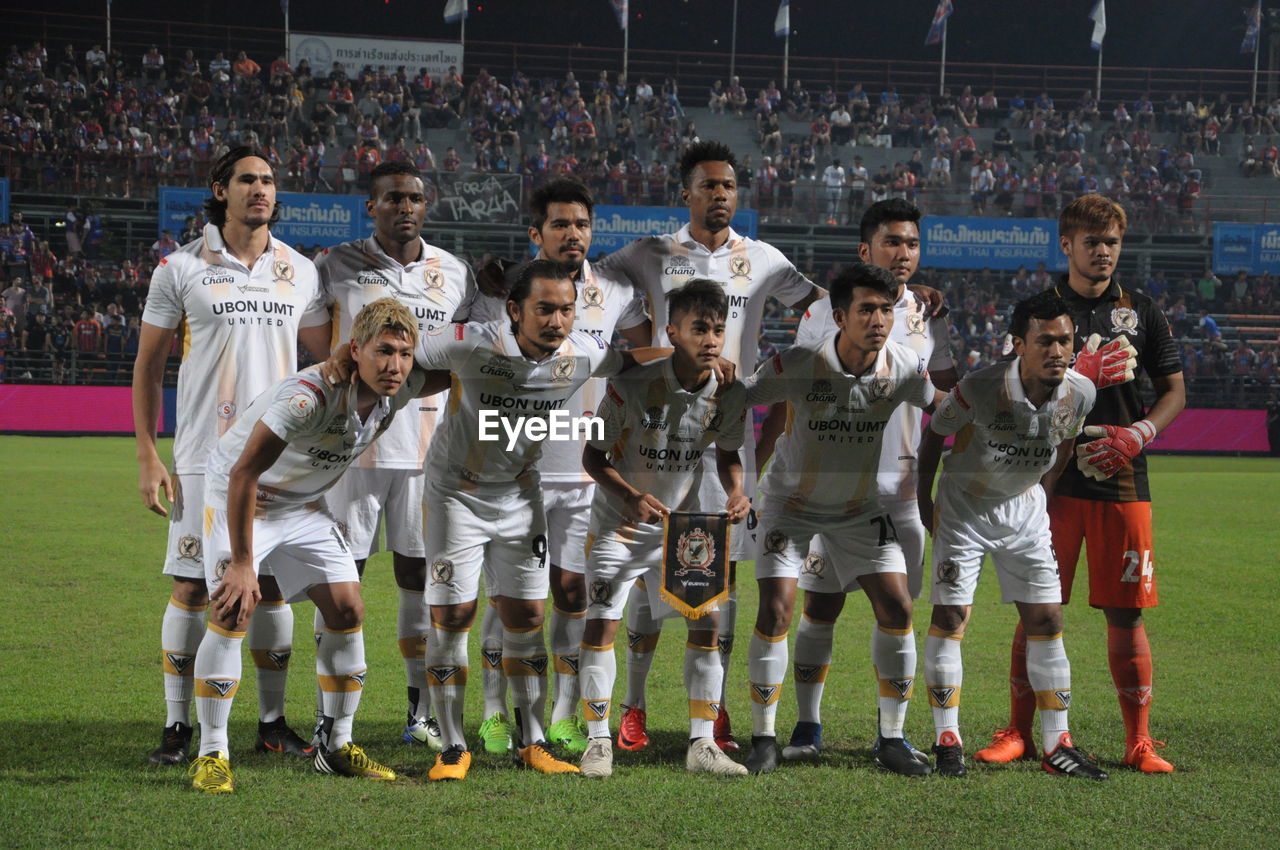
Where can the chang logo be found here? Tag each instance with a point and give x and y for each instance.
(820, 393)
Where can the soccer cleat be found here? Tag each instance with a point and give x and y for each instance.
(916, 754)
(1067, 760)
(423, 730)
(1140, 752)
(277, 737)
(211, 774)
(722, 729)
(895, 756)
(453, 763)
(1007, 745)
(597, 761)
(351, 760)
(631, 731)
(705, 756)
(496, 732)
(175, 744)
(569, 734)
(543, 759)
(950, 753)
(763, 757)
(806, 742)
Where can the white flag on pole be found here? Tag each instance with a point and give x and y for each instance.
(454, 11)
(1099, 18)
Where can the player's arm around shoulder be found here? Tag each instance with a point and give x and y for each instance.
(732, 412)
(614, 411)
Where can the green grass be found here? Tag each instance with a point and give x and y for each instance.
(81, 705)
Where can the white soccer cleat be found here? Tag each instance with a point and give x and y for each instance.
(705, 757)
(597, 761)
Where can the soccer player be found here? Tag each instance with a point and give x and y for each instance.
(750, 271)
(1008, 419)
(1104, 500)
(890, 239)
(483, 503)
(264, 493)
(245, 299)
(822, 483)
(658, 420)
(385, 485)
(560, 225)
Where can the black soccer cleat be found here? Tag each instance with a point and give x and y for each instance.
(175, 744)
(763, 757)
(895, 756)
(277, 737)
(950, 756)
(1068, 760)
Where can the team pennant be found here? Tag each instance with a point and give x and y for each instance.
(695, 564)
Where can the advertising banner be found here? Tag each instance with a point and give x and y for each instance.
(321, 51)
(615, 226)
(305, 219)
(962, 242)
(1252, 248)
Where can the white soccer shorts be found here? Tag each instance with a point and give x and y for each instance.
(504, 536)
(568, 509)
(614, 565)
(711, 496)
(1016, 533)
(364, 498)
(910, 531)
(302, 549)
(183, 557)
(858, 545)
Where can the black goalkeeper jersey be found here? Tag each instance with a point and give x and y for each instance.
(1119, 311)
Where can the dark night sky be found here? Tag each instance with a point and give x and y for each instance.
(1183, 33)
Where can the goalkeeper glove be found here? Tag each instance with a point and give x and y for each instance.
(1108, 365)
(1115, 447)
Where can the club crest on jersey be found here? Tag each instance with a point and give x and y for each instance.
(775, 541)
(740, 267)
(881, 388)
(283, 270)
(598, 707)
(601, 592)
(1060, 422)
(444, 674)
(442, 571)
(915, 324)
(949, 571)
(189, 547)
(301, 404)
(593, 295)
(226, 409)
(1124, 320)
(433, 278)
(220, 569)
(712, 420)
(562, 368)
(695, 550)
(813, 564)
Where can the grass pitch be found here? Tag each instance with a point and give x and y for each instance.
(81, 705)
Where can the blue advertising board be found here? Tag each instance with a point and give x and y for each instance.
(1252, 248)
(615, 226)
(305, 219)
(962, 242)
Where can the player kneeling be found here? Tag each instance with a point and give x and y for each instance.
(264, 503)
(1009, 420)
(658, 420)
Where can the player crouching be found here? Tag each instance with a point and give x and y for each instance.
(1009, 420)
(264, 505)
(658, 420)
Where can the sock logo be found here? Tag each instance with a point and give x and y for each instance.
(1064, 697)
(1140, 695)
(1020, 687)
(492, 658)
(599, 707)
(358, 678)
(570, 661)
(714, 706)
(538, 664)
(318, 636)
(764, 694)
(806, 672)
(444, 674)
(222, 686)
(725, 644)
(633, 639)
(941, 696)
(179, 662)
(902, 686)
(280, 657)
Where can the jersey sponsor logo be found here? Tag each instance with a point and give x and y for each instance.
(215, 275)
(679, 265)
(813, 564)
(653, 419)
(180, 662)
(371, 277)
(882, 388)
(226, 409)
(562, 369)
(948, 571)
(593, 295)
(1003, 421)
(222, 686)
(433, 278)
(601, 592)
(444, 673)
(280, 657)
(775, 541)
(498, 366)
(1124, 320)
(695, 550)
(189, 547)
(820, 393)
(740, 267)
(442, 571)
(915, 324)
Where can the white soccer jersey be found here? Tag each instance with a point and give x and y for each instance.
(656, 433)
(603, 305)
(929, 338)
(492, 381)
(1004, 443)
(241, 332)
(750, 272)
(323, 431)
(826, 460)
(438, 289)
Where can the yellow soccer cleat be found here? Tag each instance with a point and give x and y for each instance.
(212, 774)
(541, 758)
(352, 761)
(453, 763)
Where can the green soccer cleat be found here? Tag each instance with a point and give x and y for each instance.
(212, 774)
(496, 733)
(569, 734)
